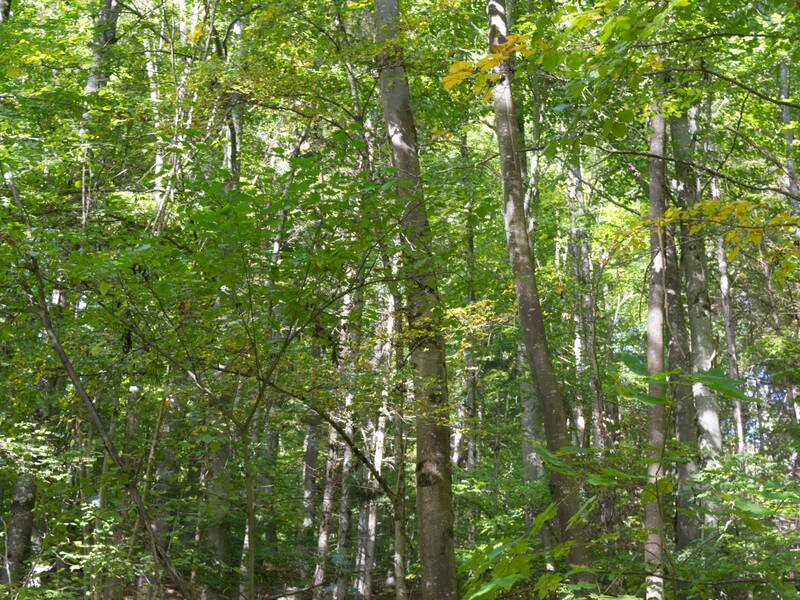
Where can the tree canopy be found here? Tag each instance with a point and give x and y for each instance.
(428, 299)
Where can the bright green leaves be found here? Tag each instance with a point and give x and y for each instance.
(495, 568)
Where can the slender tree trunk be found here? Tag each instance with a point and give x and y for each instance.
(19, 529)
(220, 530)
(656, 414)
(695, 273)
(532, 467)
(788, 132)
(350, 339)
(426, 342)
(564, 488)
(679, 355)
(104, 35)
(310, 460)
(345, 509)
(326, 514)
(370, 522)
(587, 323)
(399, 397)
(730, 339)
(249, 550)
(464, 445)
(5, 10)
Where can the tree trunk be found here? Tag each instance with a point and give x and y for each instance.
(730, 339)
(565, 489)
(679, 355)
(656, 414)
(788, 132)
(220, 529)
(426, 342)
(345, 509)
(350, 339)
(5, 10)
(326, 514)
(104, 35)
(695, 273)
(399, 397)
(19, 529)
(464, 445)
(532, 467)
(310, 460)
(370, 521)
(587, 323)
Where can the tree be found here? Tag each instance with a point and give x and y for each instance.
(426, 344)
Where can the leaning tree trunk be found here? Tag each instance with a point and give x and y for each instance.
(564, 488)
(656, 414)
(695, 273)
(426, 342)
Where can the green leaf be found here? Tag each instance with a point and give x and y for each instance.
(490, 589)
(717, 380)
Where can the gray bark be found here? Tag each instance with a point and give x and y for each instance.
(730, 339)
(679, 354)
(426, 342)
(656, 414)
(104, 35)
(587, 322)
(19, 529)
(788, 133)
(221, 524)
(464, 439)
(326, 514)
(5, 10)
(310, 460)
(565, 490)
(695, 273)
(368, 526)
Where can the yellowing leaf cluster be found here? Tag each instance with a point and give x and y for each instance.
(458, 72)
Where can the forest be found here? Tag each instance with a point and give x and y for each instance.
(383, 299)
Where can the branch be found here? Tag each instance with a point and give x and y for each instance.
(38, 300)
(347, 439)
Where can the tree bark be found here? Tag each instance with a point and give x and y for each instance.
(679, 354)
(370, 522)
(19, 529)
(464, 442)
(5, 10)
(564, 488)
(104, 35)
(656, 414)
(587, 322)
(695, 273)
(730, 339)
(326, 514)
(310, 460)
(788, 133)
(423, 314)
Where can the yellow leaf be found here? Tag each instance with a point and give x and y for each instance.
(196, 33)
(489, 61)
(458, 72)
